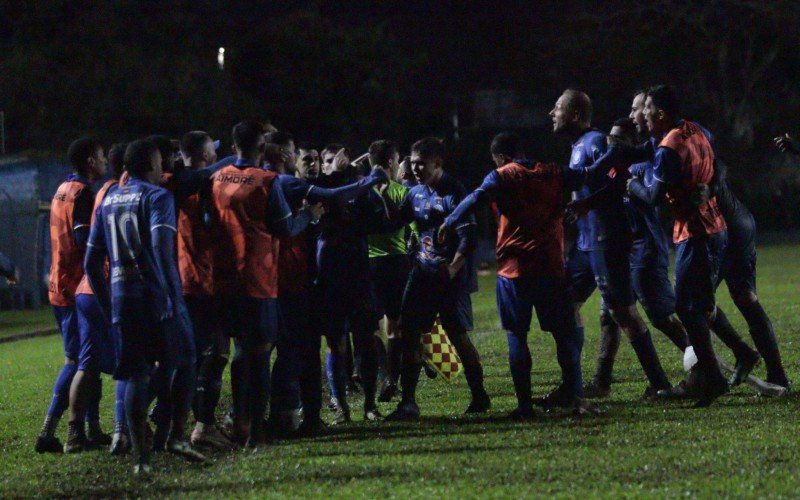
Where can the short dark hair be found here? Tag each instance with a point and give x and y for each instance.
(507, 144)
(139, 156)
(579, 101)
(79, 152)
(280, 138)
(665, 97)
(246, 135)
(332, 147)
(381, 152)
(429, 147)
(116, 158)
(192, 143)
(627, 126)
(273, 154)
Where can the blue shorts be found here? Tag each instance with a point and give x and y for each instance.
(181, 349)
(140, 343)
(389, 276)
(97, 344)
(518, 297)
(430, 294)
(252, 322)
(580, 276)
(738, 268)
(654, 291)
(612, 271)
(697, 264)
(67, 320)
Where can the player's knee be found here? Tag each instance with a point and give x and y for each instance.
(71, 361)
(744, 298)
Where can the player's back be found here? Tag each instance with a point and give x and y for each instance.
(530, 236)
(127, 218)
(696, 157)
(196, 243)
(247, 254)
(589, 147)
(73, 197)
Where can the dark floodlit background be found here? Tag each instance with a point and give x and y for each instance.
(353, 72)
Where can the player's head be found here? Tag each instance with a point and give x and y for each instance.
(143, 160)
(404, 171)
(168, 149)
(286, 144)
(197, 149)
(623, 132)
(661, 109)
(87, 158)
(637, 111)
(327, 154)
(427, 160)
(572, 112)
(384, 154)
(308, 163)
(506, 146)
(116, 158)
(248, 140)
(274, 157)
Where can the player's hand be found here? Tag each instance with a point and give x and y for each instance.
(700, 195)
(340, 162)
(316, 211)
(452, 270)
(576, 209)
(441, 235)
(786, 144)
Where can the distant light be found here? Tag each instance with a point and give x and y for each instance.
(221, 58)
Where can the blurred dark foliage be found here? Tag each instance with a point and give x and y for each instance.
(355, 71)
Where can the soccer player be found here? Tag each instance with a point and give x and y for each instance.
(195, 265)
(600, 257)
(97, 349)
(738, 270)
(327, 156)
(70, 217)
(683, 160)
(441, 280)
(649, 258)
(308, 163)
(135, 230)
(389, 265)
(530, 261)
(252, 211)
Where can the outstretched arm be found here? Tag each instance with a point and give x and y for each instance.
(280, 217)
(486, 193)
(189, 182)
(349, 192)
(666, 170)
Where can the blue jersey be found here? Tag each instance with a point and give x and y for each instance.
(123, 228)
(585, 151)
(429, 208)
(650, 244)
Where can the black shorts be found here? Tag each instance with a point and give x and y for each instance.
(252, 322)
(738, 267)
(429, 294)
(141, 342)
(389, 276)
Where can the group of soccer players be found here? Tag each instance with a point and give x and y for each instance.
(177, 255)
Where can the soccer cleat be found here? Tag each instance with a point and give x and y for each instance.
(523, 414)
(333, 405)
(481, 404)
(209, 436)
(342, 417)
(313, 428)
(227, 424)
(405, 412)
(48, 444)
(96, 436)
(711, 392)
(185, 450)
(595, 390)
(429, 371)
(76, 442)
(372, 415)
(142, 470)
(560, 397)
(119, 444)
(652, 394)
(388, 392)
(743, 368)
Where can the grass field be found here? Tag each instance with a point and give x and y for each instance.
(742, 446)
(20, 322)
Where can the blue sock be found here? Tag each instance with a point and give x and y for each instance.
(137, 398)
(120, 424)
(259, 390)
(93, 410)
(329, 363)
(519, 360)
(60, 400)
(568, 351)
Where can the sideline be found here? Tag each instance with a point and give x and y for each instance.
(45, 332)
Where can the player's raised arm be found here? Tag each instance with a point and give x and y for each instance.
(349, 192)
(282, 222)
(666, 169)
(486, 193)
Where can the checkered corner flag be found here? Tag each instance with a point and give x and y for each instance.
(440, 353)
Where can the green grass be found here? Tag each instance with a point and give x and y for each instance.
(20, 322)
(742, 446)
